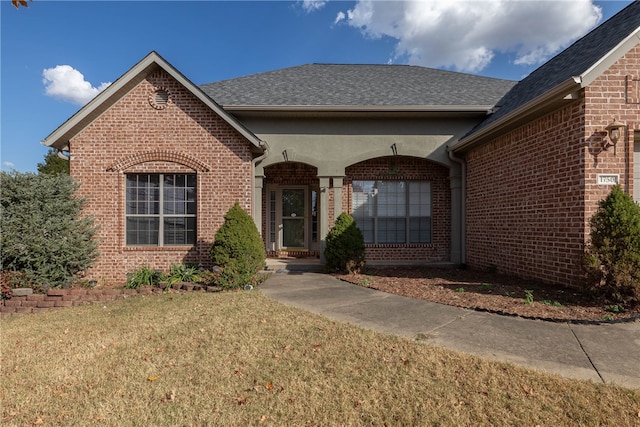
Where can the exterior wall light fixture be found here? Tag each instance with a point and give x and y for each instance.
(614, 130)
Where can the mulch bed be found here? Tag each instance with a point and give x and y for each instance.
(494, 293)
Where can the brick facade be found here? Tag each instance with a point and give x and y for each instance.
(614, 94)
(134, 137)
(402, 168)
(531, 192)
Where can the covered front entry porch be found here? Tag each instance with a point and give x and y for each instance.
(292, 204)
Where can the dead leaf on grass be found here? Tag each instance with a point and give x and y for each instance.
(153, 378)
(528, 390)
(169, 397)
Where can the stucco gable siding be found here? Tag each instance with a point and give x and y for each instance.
(184, 137)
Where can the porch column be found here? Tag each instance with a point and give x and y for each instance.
(457, 215)
(256, 207)
(337, 196)
(323, 220)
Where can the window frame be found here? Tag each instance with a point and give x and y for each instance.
(162, 215)
(372, 205)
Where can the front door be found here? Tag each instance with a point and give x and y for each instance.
(294, 218)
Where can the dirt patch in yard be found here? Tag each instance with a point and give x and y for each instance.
(493, 293)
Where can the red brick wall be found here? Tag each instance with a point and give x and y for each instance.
(408, 168)
(615, 94)
(531, 191)
(525, 199)
(133, 137)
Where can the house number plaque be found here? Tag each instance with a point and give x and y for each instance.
(608, 179)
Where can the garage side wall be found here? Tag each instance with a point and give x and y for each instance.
(525, 198)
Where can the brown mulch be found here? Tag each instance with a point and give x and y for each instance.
(492, 292)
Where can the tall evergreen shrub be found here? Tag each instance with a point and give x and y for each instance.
(613, 254)
(44, 236)
(344, 249)
(238, 249)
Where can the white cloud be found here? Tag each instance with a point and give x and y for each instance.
(313, 5)
(68, 84)
(8, 164)
(466, 35)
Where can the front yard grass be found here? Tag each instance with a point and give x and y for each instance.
(239, 358)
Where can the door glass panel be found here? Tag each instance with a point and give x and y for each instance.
(293, 203)
(293, 218)
(293, 232)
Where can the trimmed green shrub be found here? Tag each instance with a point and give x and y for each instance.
(344, 249)
(238, 250)
(613, 255)
(44, 236)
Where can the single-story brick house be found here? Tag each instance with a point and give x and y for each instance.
(436, 166)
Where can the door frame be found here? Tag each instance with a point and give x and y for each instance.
(278, 223)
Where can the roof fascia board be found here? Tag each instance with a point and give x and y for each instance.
(610, 58)
(568, 87)
(137, 73)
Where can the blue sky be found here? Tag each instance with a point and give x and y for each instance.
(86, 45)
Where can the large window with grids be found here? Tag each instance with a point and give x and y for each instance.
(160, 209)
(393, 211)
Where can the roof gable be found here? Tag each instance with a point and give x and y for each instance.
(358, 85)
(60, 137)
(574, 68)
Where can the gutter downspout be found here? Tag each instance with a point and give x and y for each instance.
(257, 219)
(61, 154)
(463, 204)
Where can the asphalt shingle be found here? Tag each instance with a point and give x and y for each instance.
(358, 85)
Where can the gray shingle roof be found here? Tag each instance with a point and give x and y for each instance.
(573, 61)
(358, 85)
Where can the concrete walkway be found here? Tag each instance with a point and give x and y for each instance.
(607, 353)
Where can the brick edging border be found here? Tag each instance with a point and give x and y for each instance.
(60, 298)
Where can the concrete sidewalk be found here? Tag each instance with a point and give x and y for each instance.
(607, 353)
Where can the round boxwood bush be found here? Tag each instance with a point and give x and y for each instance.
(238, 249)
(344, 249)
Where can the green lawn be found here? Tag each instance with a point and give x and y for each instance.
(239, 358)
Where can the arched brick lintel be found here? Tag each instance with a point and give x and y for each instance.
(159, 155)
